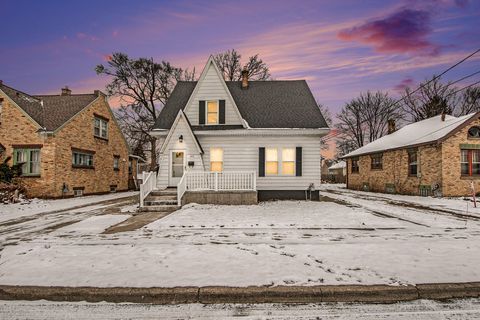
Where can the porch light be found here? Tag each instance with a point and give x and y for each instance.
(180, 139)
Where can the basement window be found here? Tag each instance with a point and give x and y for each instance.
(78, 192)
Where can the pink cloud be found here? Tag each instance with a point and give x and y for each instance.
(407, 82)
(404, 31)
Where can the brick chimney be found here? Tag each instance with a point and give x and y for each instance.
(391, 126)
(244, 78)
(1, 82)
(66, 91)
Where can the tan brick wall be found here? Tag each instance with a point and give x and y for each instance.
(56, 153)
(395, 171)
(454, 184)
(438, 164)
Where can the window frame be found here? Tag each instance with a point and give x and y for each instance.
(102, 127)
(294, 161)
(470, 163)
(471, 136)
(221, 162)
(116, 163)
(410, 153)
(83, 155)
(28, 161)
(355, 166)
(217, 102)
(374, 164)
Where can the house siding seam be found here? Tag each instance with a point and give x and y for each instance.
(211, 88)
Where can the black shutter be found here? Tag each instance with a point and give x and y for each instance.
(201, 112)
(298, 162)
(221, 111)
(261, 162)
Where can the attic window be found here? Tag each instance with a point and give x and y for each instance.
(474, 132)
(212, 112)
(100, 128)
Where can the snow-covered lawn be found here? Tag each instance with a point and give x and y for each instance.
(39, 206)
(349, 238)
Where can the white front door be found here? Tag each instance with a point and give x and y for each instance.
(177, 167)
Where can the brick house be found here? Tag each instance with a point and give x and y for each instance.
(437, 156)
(69, 144)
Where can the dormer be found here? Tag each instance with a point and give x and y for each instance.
(211, 103)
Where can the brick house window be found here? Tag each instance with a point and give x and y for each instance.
(355, 166)
(100, 128)
(116, 163)
(470, 162)
(474, 132)
(412, 162)
(377, 161)
(29, 160)
(82, 159)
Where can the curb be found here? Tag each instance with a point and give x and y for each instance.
(253, 294)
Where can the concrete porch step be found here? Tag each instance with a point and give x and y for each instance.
(151, 197)
(159, 208)
(166, 192)
(160, 202)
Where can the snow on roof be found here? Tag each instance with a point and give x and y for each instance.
(339, 165)
(428, 130)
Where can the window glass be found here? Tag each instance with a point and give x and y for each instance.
(82, 159)
(100, 128)
(412, 163)
(475, 161)
(376, 161)
(116, 161)
(474, 132)
(271, 161)
(355, 166)
(216, 159)
(30, 160)
(288, 161)
(212, 112)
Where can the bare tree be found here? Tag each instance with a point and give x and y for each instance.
(327, 115)
(433, 98)
(229, 63)
(470, 102)
(365, 119)
(143, 86)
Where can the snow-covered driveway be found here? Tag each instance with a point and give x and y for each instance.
(347, 238)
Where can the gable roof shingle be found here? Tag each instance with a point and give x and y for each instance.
(265, 104)
(49, 111)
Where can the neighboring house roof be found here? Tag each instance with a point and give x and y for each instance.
(49, 111)
(418, 133)
(265, 104)
(339, 165)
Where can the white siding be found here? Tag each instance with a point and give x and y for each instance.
(240, 153)
(211, 88)
(188, 145)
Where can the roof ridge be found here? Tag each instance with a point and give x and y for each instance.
(59, 95)
(18, 91)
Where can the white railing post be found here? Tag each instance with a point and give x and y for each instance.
(216, 181)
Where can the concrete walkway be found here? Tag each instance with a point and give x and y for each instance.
(278, 294)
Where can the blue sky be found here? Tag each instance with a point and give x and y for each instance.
(340, 47)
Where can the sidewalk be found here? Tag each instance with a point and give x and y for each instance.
(278, 294)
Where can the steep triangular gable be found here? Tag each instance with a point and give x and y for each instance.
(181, 117)
(208, 88)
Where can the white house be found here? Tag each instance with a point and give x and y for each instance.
(217, 136)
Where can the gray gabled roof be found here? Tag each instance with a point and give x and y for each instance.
(49, 111)
(265, 104)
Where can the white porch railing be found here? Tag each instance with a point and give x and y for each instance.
(216, 181)
(149, 183)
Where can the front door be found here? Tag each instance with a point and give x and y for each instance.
(177, 166)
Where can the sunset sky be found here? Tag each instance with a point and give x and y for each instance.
(340, 47)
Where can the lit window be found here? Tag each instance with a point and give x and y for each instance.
(212, 112)
(271, 161)
(216, 159)
(100, 128)
(470, 162)
(412, 162)
(81, 159)
(288, 161)
(29, 159)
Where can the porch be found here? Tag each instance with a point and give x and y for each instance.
(229, 187)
